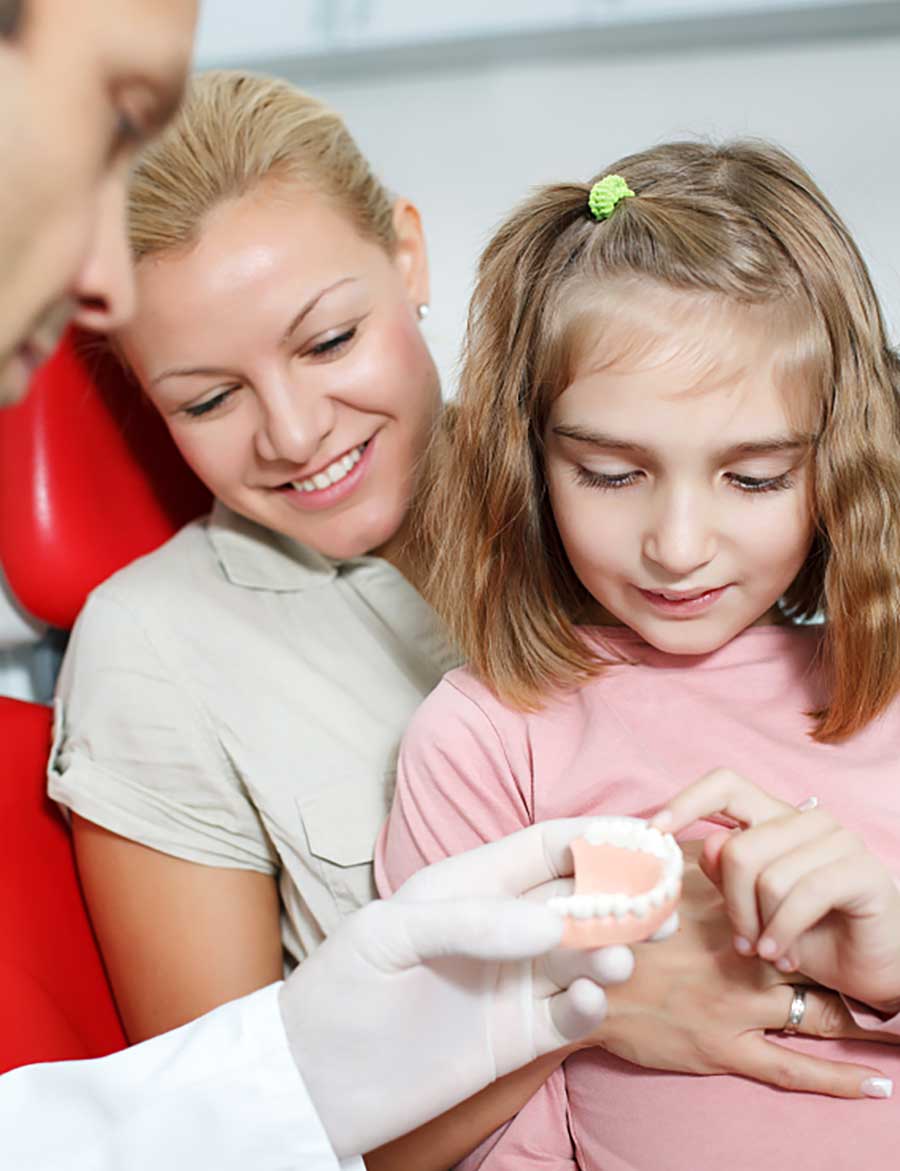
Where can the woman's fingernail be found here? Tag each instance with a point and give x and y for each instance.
(877, 1087)
(743, 946)
(783, 964)
(766, 947)
(809, 803)
(662, 819)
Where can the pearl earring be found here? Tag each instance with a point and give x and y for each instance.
(423, 310)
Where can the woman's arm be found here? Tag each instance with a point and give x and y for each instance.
(178, 938)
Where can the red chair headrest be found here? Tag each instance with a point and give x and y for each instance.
(89, 480)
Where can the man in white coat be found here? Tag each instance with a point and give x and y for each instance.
(307, 1074)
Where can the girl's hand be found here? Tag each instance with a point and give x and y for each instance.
(693, 1005)
(801, 891)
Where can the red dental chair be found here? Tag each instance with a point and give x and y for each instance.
(89, 480)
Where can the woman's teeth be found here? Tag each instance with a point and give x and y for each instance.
(333, 473)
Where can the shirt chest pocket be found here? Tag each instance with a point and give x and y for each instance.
(342, 825)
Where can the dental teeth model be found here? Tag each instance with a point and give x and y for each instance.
(627, 883)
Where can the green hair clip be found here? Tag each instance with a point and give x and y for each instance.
(606, 194)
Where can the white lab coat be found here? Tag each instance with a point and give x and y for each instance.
(221, 1093)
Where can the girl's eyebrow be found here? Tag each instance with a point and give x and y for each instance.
(793, 443)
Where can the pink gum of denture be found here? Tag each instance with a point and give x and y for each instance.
(609, 869)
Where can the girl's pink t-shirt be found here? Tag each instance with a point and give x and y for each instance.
(472, 770)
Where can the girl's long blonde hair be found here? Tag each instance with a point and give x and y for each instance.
(743, 222)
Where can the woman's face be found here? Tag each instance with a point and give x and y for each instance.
(680, 481)
(283, 352)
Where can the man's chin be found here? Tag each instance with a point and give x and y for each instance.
(16, 373)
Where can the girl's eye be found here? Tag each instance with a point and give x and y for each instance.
(333, 345)
(210, 404)
(605, 480)
(751, 484)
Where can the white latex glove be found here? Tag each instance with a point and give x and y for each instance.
(417, 1002)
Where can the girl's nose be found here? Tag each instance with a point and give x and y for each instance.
(681, 537)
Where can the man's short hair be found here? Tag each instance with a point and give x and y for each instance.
(10, 17)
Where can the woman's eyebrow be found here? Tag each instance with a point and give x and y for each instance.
(311, 304)
(219, 371)
(189, 371)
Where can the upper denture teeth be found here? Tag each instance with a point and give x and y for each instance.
(627, 833)
(332, 474)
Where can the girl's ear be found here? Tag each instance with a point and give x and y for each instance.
(410, 253)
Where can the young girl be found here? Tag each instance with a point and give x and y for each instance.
(676, 440)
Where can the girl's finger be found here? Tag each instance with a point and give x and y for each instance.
(829, 888)
(777, 879)
(746, 857)
(721, 792)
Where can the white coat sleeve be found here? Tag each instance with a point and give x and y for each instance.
(221, 1093)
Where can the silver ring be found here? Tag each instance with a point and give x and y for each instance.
(797, 1009)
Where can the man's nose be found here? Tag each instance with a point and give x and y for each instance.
(104, 288)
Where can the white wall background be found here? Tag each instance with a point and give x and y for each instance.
(466, 145)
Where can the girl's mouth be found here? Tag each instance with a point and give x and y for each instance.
(682, 605)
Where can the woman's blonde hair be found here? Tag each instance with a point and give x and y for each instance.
(233, 131)
(743, 222)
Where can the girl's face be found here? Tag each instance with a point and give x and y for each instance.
(678, 481)
(283, 352)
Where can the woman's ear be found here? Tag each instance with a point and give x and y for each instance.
(410, 252)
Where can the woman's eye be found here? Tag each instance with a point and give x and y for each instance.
(196, 410)
(333, 345)
(613, 480)
(751, 484)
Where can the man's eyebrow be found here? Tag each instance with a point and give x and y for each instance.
(311, 304)
(791, 444)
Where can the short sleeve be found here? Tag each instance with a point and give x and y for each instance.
(135, 752)
(538, 1137)
(457, 787)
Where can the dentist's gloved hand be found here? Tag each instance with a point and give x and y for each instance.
(419, 1001)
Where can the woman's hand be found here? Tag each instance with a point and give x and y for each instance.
(694, 1005)
(801, 891)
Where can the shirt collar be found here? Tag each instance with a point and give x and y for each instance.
(259, 559)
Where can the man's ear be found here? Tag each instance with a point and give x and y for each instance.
(410, 252)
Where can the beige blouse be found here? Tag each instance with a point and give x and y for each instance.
(236, 699)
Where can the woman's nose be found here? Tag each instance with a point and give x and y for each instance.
(681, 537)
(293, 424)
